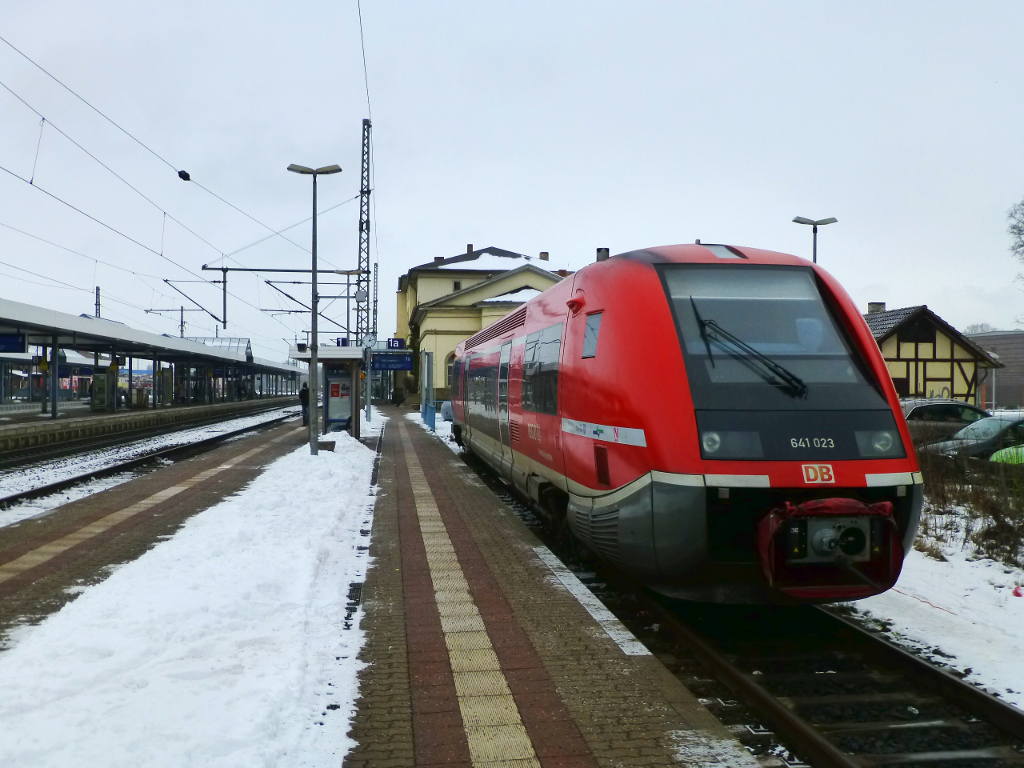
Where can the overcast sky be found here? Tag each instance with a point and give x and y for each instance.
(557, 126)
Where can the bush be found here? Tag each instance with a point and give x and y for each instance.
(973, 503)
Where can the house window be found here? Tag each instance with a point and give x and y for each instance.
(456, 285)
(590, 333)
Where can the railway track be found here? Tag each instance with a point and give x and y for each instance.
(807, 686)
(19, 457)
(814, 688)
(149, 457)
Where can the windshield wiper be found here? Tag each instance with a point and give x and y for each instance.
(771, 371)
(703, 331)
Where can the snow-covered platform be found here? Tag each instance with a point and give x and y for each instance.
(482, 650)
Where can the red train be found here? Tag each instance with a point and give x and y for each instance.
(715, 421)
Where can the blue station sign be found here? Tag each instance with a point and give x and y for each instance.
(13, 342)
(402, 361)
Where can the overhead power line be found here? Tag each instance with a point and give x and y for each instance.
(126, 237)
(78, 253)
(182, 174)
(102, 223)
(362, 46)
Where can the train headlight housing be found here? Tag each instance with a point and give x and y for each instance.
(730, 444)
(710, 442)
(879, 443)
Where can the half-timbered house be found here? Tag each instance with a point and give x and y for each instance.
(925, 355)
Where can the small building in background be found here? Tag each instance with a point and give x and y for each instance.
(926, 356)
(447, 300)
(1005, 387)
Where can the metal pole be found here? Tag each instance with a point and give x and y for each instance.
(54, 378)
(314, 379)
(814, 255)
(369, 382)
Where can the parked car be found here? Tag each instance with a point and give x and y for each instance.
(1012, 455)
(931, 419)
(982, 438)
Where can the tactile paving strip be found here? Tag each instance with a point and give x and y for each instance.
(494, 728)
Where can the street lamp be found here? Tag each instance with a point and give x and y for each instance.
(314, 378)
(814, 224)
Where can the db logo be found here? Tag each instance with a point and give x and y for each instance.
(818, 473)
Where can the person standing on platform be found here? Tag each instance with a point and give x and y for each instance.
(304, 402)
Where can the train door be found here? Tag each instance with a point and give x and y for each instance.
(467, 398)
(503, 433)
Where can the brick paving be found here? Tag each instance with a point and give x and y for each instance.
(446, 663)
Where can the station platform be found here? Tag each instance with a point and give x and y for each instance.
(483, 650)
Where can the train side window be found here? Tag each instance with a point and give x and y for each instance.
(540, 370)
(590, 333)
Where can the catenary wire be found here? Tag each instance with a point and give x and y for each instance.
(152, 202)
(161, 159)
(131, 239)
(138, 141)
(362, 45)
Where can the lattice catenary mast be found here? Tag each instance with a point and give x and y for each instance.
(363, 326)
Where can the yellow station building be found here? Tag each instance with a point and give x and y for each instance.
(447, 300)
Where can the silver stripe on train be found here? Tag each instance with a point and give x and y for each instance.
(621, 435)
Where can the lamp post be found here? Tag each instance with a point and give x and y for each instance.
(814, 224)
(314, 378)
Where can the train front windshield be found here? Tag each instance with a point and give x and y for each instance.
(767, 360)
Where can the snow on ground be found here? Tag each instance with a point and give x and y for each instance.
(25, 478)
(967, 613)
(226, 645)
(442, 429)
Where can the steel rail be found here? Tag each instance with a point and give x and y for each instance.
(18, 457)
(798, 735)
(1001, 714)
(811, 742)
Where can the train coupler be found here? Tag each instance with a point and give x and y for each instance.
(837, 548)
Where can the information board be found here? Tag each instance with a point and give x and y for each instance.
(13, 342)
(384, 361)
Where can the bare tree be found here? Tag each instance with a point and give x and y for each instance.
(978, 328)
(1016, 230)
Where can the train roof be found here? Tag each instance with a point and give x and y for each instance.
(710, 253)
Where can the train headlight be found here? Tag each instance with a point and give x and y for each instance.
(710, 442)
(730, 444)
(880, 443)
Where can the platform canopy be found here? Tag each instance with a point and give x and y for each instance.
(84, 333)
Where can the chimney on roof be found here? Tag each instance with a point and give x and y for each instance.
(602, 254)
(875, 307)
(438, 258)
(543, 255)
(469, 247)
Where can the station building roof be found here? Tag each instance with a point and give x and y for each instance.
(87, 334)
